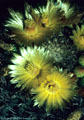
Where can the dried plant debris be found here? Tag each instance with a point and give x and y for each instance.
(7, 40)
(4, 71)
(76, 115)
(7, 47)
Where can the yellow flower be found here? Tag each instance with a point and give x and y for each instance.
(78, 37)
(71, 15)
(37, 25)
(31, 68)
(54, 91)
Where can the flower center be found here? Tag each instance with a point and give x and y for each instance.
(45, 20)
(82, 39)
(30, 27)
(33, 71)
(52, 86)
